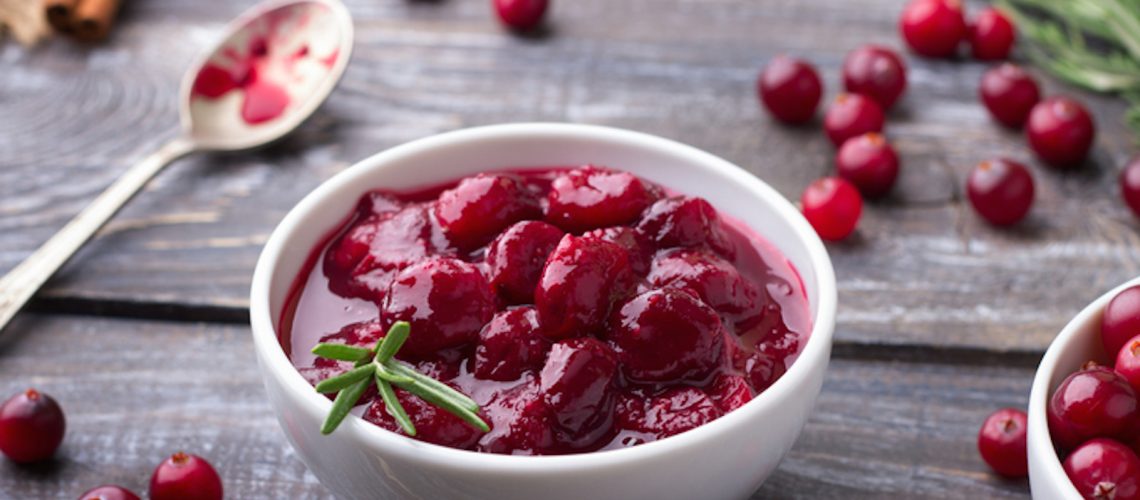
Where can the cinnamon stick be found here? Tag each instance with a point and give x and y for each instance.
(92, 19)
(59, 14)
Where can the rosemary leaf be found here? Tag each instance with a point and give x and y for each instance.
(340, 352)
(344, 380)
(386, 374)
(446, 403)
(344, 402)
(395, 409)
(439, 387)
(393, 341)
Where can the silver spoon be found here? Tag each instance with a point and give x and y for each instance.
(278, 63)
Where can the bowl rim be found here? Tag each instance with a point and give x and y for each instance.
(277, 365)
(1041, 390)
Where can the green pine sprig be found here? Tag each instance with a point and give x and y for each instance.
(379, 366)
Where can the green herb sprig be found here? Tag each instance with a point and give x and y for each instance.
(378, 365)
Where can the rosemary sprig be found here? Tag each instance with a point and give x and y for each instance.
(378, 365)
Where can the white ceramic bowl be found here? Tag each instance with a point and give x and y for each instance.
(727, 458)
(1077, 343)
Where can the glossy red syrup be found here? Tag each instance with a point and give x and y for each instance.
(582, 308)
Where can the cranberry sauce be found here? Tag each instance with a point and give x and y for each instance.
(582, 308)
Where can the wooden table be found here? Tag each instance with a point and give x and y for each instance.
(143, 336)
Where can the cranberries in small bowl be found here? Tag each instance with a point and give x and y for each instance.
(790, 89)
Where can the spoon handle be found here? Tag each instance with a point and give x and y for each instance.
(18, 286)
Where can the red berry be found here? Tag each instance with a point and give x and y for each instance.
(1128, 363)
(832, 206)
(360, 264)
(510, 345)
(516, 257)
(1094, 402)
(521, 14)
(185, 477)
(1121, 320)
(1009, 93)
(729, 392)
(433, 424)
(1104, 469)
(716, 281)
(109, 492)
(445, 300)
(1001, 191)
(31, 427)
(1060, 131)
(876, 72)
(674, 411)
(1130, 185)
(991, 35)
(582, 280)
(577, 385)
(472, 213)
(1001, 442)
(790, 89)
(933, 28)
(852, 115)
(684, 221)
(668, 335)
(590, 198)
(634, 242)
(869, 162)
(763, 369)
(521, 422)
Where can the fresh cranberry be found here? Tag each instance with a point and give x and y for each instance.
(674, 411)
(790, 89)
(1060, 131)
(1009, 93)
(516, 257)
(668, 335)
(578, 386)
(852, 115)
(433, 424)
(933, 28)
(729, 392)
(521, 15)
(832, 206)
(473, 212)
(763, 369)
(638, 250)
(579, 285)
(510, 345)
(683, 221)
(185, 477)
(991, 35)
(1104, 469)
(109, 492)
(1001, 191)
(366, 259)
(876, 72)
(590, 197)
(1001, 442)
(716, 281)
(1128, 363)
(1130, 185)
(31, 427)
(1094, 402)
(521, 422)
(1121, 320)
(869, 162)
(446, 301)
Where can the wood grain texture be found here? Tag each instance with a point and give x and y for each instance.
(922, 270)
(136, 391)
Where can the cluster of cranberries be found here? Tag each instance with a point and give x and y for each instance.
(32, 426)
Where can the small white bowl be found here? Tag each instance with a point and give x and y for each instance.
(1077, 343)
(727, 458)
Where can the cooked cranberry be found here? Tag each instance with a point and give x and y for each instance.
(1009, 93)
(1128, 363)
(109, 492)
(515, 259)
(1104, 469)
(510, 345)
(1060, 131)
(1130, 185)
(404, 242)
(1001, 442)
(379, 203)
(185, 477)
(1001, 191)
(590, 197)
(876, 72)
(790, 89)
(351, 248)
(729, 392)
(716, 281)
(433, 424)
(1095, 402)
(869, 162)
(667, 335)
(521, 14)
(473, 212)
(578, 386)
(991, 35)
(1121, 320)
(672, 412)
(780, 343)
(446, 301)
(634, 242)
(832, 206)
(521, 423)
(579, 285)
(31, 427)
(683, 221)
(852, 115)
(933, 28)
